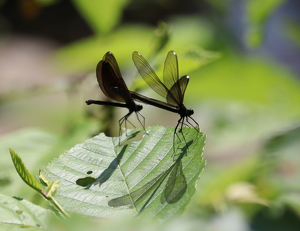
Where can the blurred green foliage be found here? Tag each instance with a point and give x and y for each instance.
(102, 16)
(294, 31)
(247, 105)
(258, 13)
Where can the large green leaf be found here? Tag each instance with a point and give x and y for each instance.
(19, 214)
(149, 177)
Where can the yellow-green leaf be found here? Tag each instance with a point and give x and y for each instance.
(23, 172)
(51, 189)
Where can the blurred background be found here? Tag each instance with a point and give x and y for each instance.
(243, 61)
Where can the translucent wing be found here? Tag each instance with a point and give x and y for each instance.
(171, 70)
(176, 93)
(149, 75)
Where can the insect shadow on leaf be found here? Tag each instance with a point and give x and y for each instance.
(106, 174)
(175, 187)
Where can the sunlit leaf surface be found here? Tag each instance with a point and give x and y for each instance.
(149, 177)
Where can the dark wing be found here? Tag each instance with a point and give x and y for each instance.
(171, 75)
(149, 75)
(109, 77)
(110, 58)
(176, 93)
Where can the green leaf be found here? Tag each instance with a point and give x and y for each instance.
(43, 178)
(142, 177)
(23, 172)
(260, 99)
(248, 81)
(162, 36)
(185, 34)
(18, 214)
(101, 15)
(195, 58)
(34, 145)
(51, 189)
(135, 38)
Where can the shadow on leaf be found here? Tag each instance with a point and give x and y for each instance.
(83, 182)
(175, 187)
(133, 136)
(106, 174)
